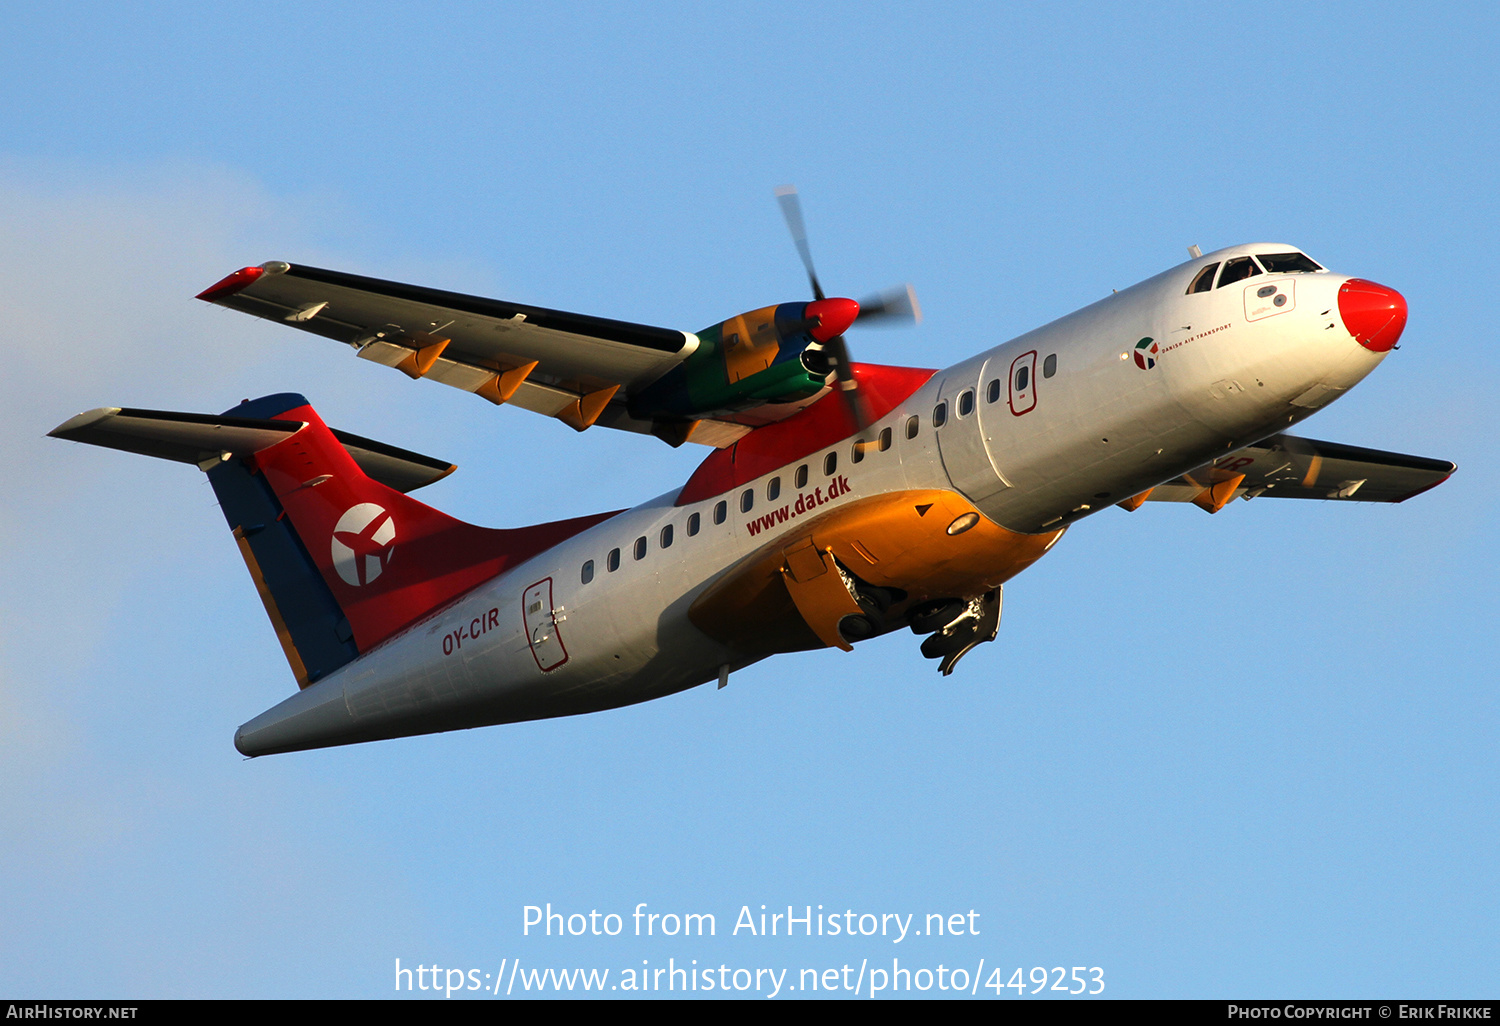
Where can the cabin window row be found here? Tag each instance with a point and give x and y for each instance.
(721, 511)
(857, 453)
(992, 393)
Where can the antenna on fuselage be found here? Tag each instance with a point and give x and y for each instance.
(1194, 252)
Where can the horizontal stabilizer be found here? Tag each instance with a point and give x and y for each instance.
(1304, 468)
(203, 439)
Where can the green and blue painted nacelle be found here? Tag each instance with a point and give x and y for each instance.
(772, 355)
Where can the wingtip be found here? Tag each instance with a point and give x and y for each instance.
(243, 278)
(1452, 469)
(72, 425)
(231, 284)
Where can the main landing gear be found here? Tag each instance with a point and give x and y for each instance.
(956, 627)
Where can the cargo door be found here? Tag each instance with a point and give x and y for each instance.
(961, 438)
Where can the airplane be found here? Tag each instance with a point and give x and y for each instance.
(840, 501)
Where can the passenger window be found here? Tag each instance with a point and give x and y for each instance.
(885, 439)
(966, 403)
(1204, 282)
(801, 477)
(666, 537)
(912, 425)
(612, 561)
(588, 571)
(857, 450)
(1238, 269)
(830, 464)
(640, 547)
(694, 522)
(721, 511)
(939, 415)
(747, 500)
(992, 391)
(1049, 366)
(773, 489)
(1023, 378)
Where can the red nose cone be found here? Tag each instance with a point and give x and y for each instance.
(833, 316)
(1374, 314)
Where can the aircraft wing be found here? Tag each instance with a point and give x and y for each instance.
(1303, 468)
(577, 368)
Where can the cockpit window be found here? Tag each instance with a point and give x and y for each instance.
(1205, 280)
(1238, 269)
(1288, 263)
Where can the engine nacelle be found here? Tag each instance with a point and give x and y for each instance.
(771, 355)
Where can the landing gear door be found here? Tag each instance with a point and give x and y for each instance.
(542, 626)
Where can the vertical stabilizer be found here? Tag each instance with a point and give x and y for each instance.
(342, 561)
(383, 559)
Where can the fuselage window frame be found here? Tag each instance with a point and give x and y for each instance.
(1237, 263)
(1288, 263)
(1203, 281)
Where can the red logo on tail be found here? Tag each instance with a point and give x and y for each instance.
(363, 543)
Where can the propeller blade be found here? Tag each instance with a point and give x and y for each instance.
(845, 382)
(791, 209)
(890, 307)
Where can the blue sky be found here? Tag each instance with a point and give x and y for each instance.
(1248, 755)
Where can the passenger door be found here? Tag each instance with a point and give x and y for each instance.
(542, 626)
(1023, 384)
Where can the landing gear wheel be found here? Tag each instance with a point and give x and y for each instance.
(857, 628)
(935, 615)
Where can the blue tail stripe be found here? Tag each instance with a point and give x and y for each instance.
(267, 406)
(312, 616)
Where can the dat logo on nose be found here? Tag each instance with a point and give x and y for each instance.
(363, 543)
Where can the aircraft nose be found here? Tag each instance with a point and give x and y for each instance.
(1375, 315)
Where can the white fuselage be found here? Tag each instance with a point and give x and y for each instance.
(1084, 427)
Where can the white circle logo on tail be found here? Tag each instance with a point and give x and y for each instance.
(363, 543)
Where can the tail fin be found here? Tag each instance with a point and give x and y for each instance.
(342, 561)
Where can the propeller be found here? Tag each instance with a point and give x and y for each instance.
(892, 306)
